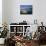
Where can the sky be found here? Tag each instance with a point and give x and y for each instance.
(25, 7)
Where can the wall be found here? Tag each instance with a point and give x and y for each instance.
(12, 10)
(0, 13)
(4, 11)
(15, 11)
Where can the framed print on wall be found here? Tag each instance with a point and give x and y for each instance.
(25, 9)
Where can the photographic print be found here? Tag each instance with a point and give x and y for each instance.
(25, 9)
